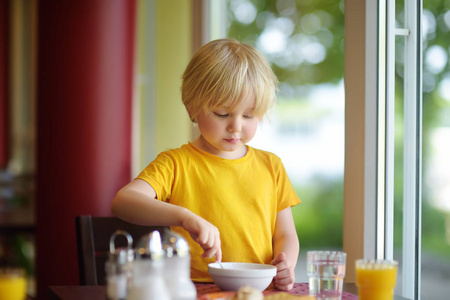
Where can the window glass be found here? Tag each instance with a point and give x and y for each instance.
(435, 256)
(304, 42)
(436, 150)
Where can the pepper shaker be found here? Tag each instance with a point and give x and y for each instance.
(118, 267)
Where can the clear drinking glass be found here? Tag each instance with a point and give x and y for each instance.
(326, 271)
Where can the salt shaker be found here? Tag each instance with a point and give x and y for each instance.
(148, 281)
(118, 267)
(177, 267)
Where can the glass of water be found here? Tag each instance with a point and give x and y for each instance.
(326, 271)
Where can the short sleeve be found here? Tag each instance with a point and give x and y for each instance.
(287, 197)
(160, 175)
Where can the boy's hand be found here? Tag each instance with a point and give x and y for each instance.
(285, 278)
(206, 235)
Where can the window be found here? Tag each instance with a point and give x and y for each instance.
(405, 122)
(433, 254)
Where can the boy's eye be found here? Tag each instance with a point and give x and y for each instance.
(248, 116)
(221, 115)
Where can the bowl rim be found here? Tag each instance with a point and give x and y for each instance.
(257, 270)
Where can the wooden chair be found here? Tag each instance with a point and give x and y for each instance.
(93, 235)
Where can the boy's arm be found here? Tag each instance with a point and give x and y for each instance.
(285, 250)
(136, 203)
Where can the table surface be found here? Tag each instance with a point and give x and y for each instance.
(99, 292)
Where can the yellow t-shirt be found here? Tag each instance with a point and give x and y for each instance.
(241, 197)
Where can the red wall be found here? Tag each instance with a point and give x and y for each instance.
(84, 95)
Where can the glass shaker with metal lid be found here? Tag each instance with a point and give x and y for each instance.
(118, 267)
(177, 267)
(148, 281)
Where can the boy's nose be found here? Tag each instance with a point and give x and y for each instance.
(234, 126)
(233, 130)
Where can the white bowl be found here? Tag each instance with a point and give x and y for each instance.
(230, 276)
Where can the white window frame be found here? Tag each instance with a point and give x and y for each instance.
(412, 143)
(412, 157)
(376, 195)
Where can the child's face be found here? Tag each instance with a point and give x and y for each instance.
(224, 132)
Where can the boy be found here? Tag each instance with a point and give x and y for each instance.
(228, 200)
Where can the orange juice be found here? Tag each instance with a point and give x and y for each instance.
(12, 285)
(376, 279)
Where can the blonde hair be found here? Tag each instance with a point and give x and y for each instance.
(222, 73)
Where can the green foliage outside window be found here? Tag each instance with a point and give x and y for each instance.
(307, 49)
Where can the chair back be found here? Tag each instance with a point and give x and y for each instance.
(93, 236)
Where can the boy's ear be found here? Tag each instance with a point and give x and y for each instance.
(191, 117)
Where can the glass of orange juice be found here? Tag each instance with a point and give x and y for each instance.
(376, 279)
(13, 284)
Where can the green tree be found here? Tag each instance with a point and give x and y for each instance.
(300, 28)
